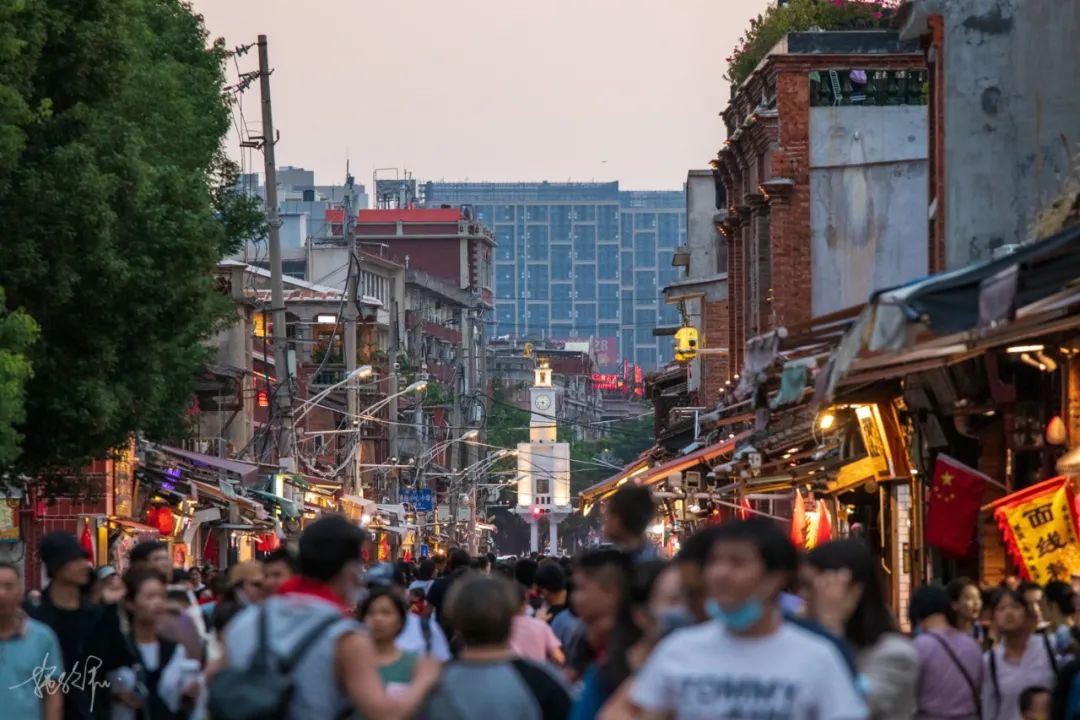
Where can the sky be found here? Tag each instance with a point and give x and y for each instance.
(490, 90)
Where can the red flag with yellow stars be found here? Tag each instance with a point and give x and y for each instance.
(952, 512)
(1039, 527)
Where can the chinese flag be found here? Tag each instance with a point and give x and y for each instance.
(953, 509)
(87, 543)
(798, 522)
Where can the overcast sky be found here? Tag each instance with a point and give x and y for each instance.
(496, 90)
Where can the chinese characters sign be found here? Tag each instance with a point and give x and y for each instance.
(1039, 528)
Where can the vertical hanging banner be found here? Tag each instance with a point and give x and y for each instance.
(1039, 528)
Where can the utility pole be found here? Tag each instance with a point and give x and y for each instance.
(279, 339)
(353, 275)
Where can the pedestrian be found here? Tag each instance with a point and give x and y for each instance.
(30, 656)
(247, 582)
(417, 604)
(383, 613)
(626, 517)
(1059, 609)
(278, 566)
(151, 555)
(749, 662)
(1022, 659)
(525, 574)
(691, 560)
(652, 592)
(309, 626)
(600, 580)
(950, 666)
(419, 635)
(197, 585)
(531, 637)
(457, 564)
(965, 599)
(843, 593)
(551, 585)
(487, 680)
(1033, 596)
(91, 641)
(1035, 703)
(167, 683)
(109, 587)
(425, 576)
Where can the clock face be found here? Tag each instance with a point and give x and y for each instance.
(543, 402)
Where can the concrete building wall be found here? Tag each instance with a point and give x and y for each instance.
(868, 186)
(705, 243)
(1009, 98)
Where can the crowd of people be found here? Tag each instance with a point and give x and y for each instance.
(737, 625)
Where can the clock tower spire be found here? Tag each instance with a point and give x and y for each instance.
(543, 464)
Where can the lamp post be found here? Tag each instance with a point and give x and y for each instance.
(366, 414)
(361, 372)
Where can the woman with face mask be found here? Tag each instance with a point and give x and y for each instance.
(843, 593)
(1021, 659)
(652, 606)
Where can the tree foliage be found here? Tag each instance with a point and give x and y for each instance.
(114, 210)
(17, 333)
(799, 15)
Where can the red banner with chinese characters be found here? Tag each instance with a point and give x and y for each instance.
(1039, 528)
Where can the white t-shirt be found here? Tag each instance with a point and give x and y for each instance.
(411, 639)
(705, 673)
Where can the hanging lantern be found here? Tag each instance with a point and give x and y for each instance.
(165, 520)
(798, 522)
(1056, 434)
(152, 516)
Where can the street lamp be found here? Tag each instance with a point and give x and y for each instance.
(361, 372)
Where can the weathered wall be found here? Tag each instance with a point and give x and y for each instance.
(868, 188)
(702, 238)
(1010, 96)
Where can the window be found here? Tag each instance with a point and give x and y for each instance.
(626, 235)
(626, 300)
(669, 314)
(560, 223)
(585, 318)
(536, 243)
(537, 319)
(668, 231)
(584, 282)
(626, 344)
(644, 221)
(645, 290)
(607, 267)
(607, 223)
(608, 330)
(506, 314)
(644, 322)
(562, 262)
(504, 281)
(645, 249)
(504, 236)
(538, 282)
(646, 357)
(584, 242)
(609, 309)
(536, 213)
(585, 213)
(504, 213)
(561, 303)
(667, 353)
(562, 331)
(626, 266)
(485, 214)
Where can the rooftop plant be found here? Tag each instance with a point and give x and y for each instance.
(800, 15)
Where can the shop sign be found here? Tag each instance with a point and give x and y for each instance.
(1039, 528)
(9, 517)
(122, 486)
(873, 436)
(425, 551)
(421, 499)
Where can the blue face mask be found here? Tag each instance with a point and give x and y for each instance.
(738, 619)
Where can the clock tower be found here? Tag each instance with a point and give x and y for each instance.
(543, 464)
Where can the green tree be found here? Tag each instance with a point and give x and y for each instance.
(114, 209)
(17, 333)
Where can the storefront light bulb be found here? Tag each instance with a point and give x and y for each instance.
(827, 421)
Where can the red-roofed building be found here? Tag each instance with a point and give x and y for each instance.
(446, 243)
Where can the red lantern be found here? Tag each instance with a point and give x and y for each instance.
(165, 520)
(152, 516)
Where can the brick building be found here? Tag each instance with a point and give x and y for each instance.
(825, 170)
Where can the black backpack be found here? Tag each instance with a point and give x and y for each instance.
(264, 689)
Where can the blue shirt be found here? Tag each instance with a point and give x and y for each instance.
(27, 659)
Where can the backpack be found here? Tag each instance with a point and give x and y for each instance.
(263, 690)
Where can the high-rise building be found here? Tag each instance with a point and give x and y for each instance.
(579, 260)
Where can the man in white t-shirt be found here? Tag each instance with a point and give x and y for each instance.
(748, 663)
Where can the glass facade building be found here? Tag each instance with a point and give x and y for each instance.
(578, 260)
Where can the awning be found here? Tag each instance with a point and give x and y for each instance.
(247, 471)
(642, 474)
(132, 525)
(288, 507)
